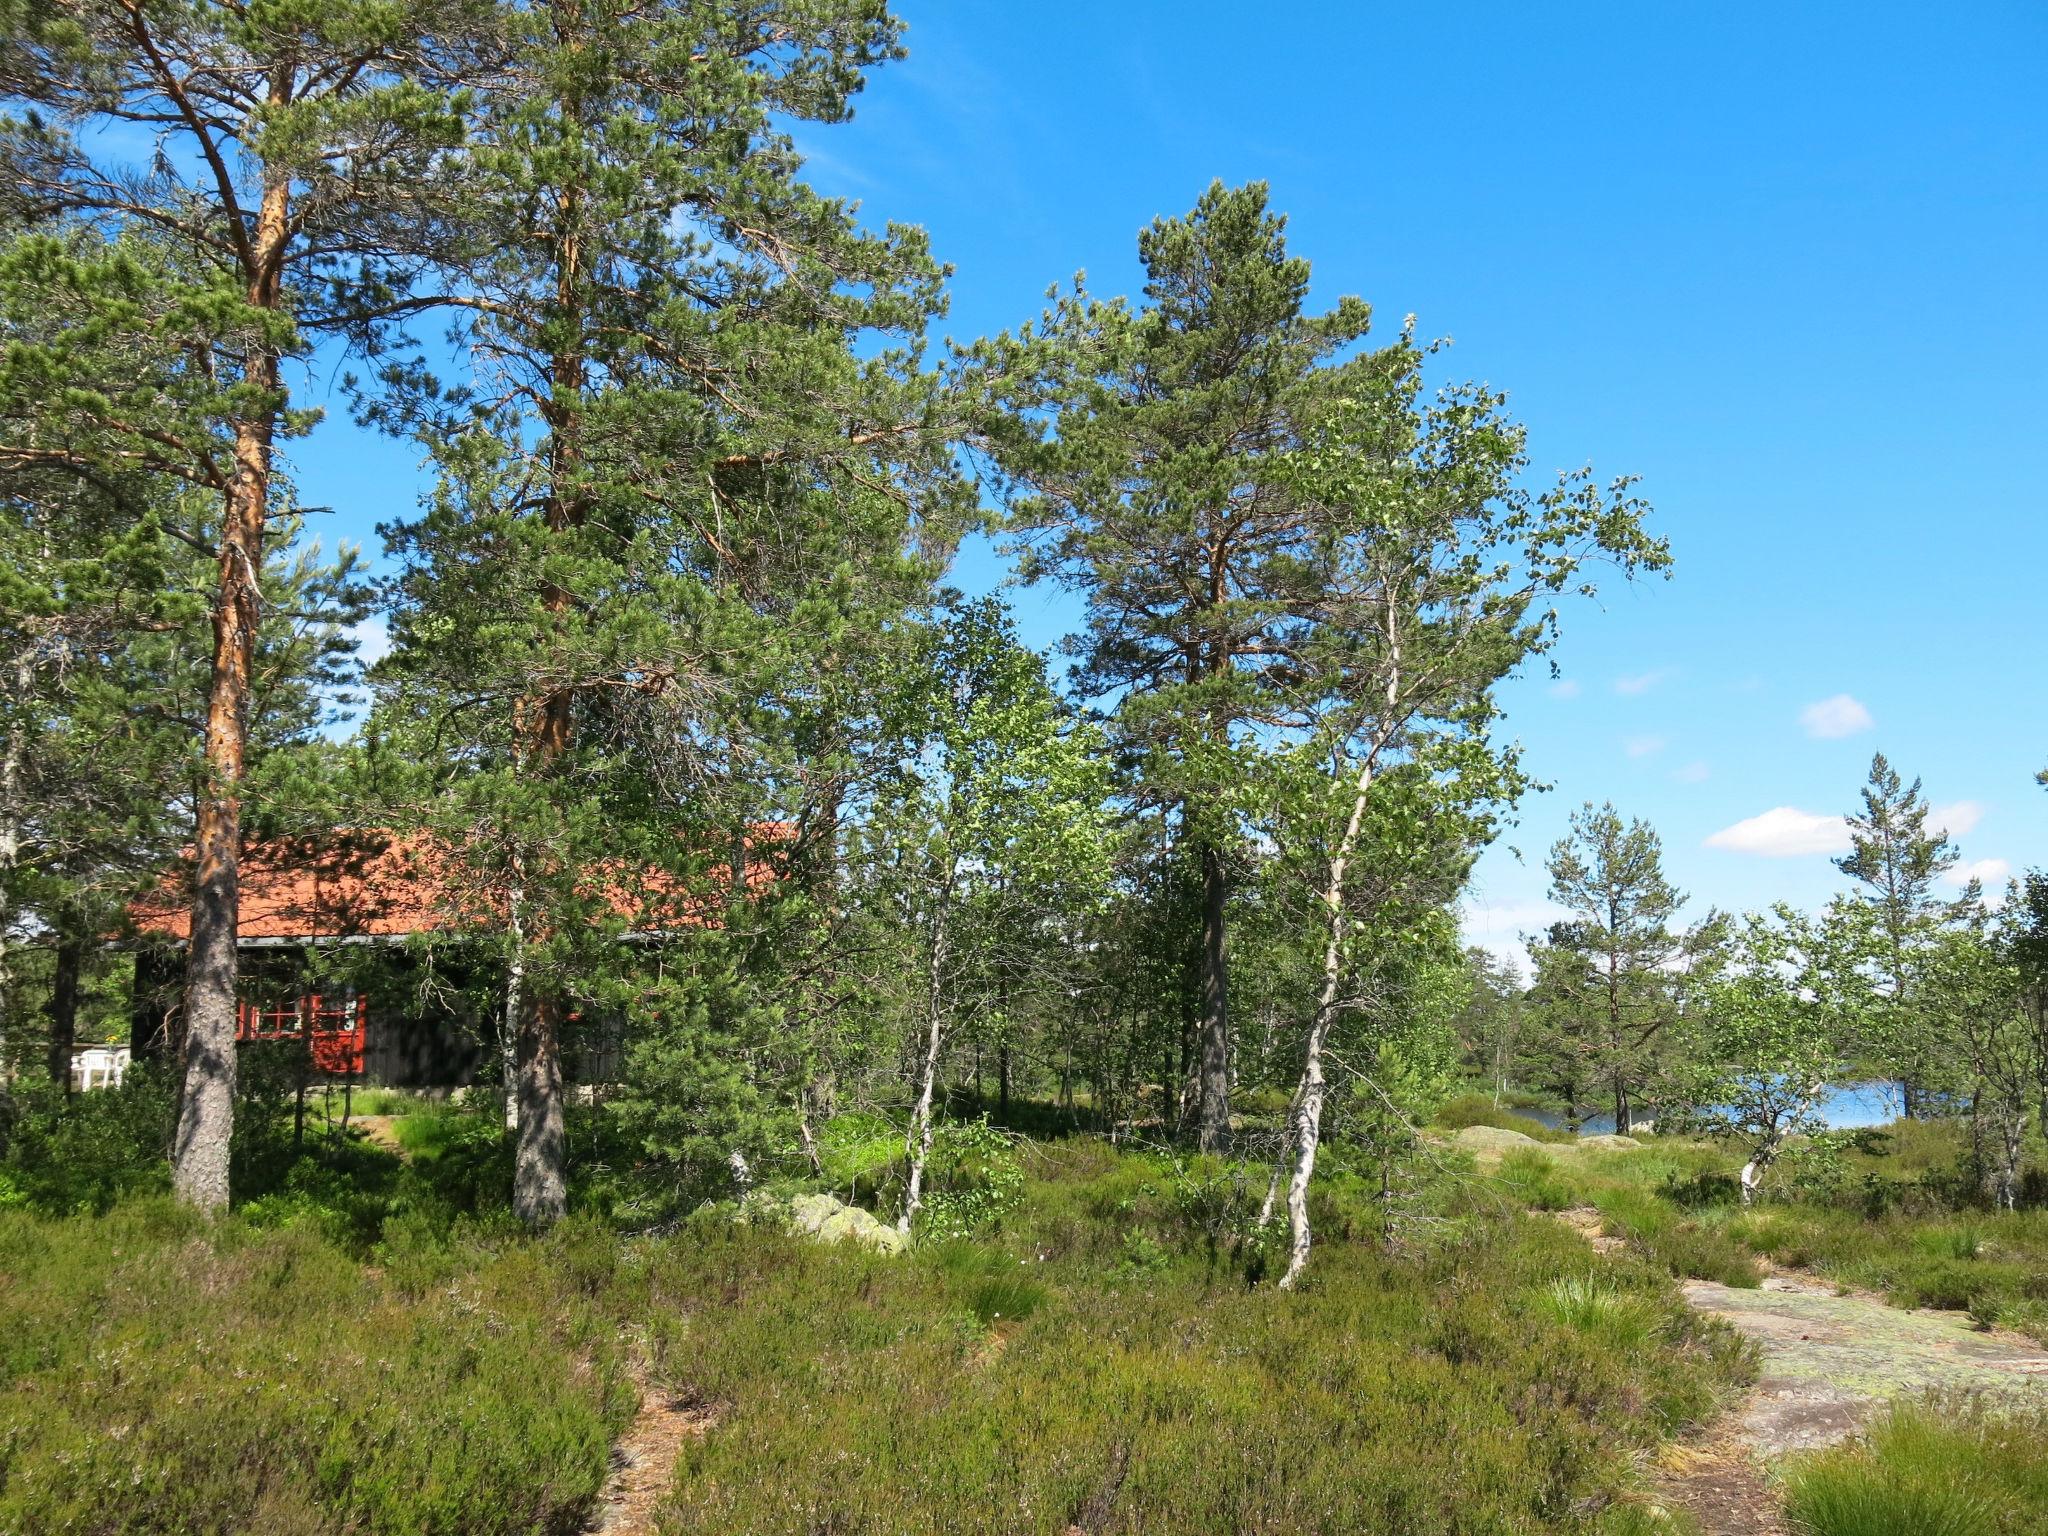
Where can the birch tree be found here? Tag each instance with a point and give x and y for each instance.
(1004, 836)
(1437, 572)
(1771, 1031)
(1976, 982)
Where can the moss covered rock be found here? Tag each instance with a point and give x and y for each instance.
(834, 1221)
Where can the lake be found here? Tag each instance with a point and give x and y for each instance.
(1844, 1107)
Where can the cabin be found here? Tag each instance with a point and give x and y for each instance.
(373, 950)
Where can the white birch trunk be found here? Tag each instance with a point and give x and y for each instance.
(918, 1142)
(1308, 1098)
(1752, 1177)
(810, 1141)
(1308, 1106)
(10, 849)
(515, 980)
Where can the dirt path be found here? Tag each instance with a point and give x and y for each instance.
(643, 1462)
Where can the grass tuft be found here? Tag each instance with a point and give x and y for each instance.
(1947, 1467)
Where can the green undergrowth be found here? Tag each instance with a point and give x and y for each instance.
(1106, 1353)
(1943, 1468)
(1131, 1375)
(1676, 1203)
(1992, 1265)
(160, 1375)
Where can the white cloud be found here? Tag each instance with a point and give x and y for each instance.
(1498, 927)
(1956, 820)
(1645, 746)
(1832, 719)
(1641, 682)
(1784, 832)
(372, 637)
(1565, 688)
(1993, 873)
(1692, 773)
(1507, 918)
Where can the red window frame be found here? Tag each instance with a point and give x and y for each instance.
(335, 1028)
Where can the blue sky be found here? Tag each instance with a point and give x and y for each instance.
(1783, 262)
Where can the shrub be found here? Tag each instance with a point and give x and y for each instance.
(1841, 1500)
(1429, 1394)
(974, 1178)
(1959, 1242)
(161, 1373)
(1703, 1253)
(1622, 1321)
(1686, 1248)
(1701, 1189)
(1013, 1296)
(1535, 1181)
(84, 1153)
(856, 1149)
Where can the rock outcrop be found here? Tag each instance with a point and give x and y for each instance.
(1490, 1143)
(834, 1221)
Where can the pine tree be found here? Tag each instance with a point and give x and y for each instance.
(1159, 498)
(287, 136)
(1898, 860)
(1610, 876)
(677, 472)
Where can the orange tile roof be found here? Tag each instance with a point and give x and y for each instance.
(376, 885)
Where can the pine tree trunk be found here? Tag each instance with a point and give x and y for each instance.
(546, 725)
(540, 1183)
(1213, 1126)
(508, 1023)
(206, 1100)
(540, 1190)
(12, 763)
(64, 1009)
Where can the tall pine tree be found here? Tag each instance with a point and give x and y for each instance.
(1897, 859)
(1160, 499)
(1609, 874)
(287, 136)
(694, 404)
